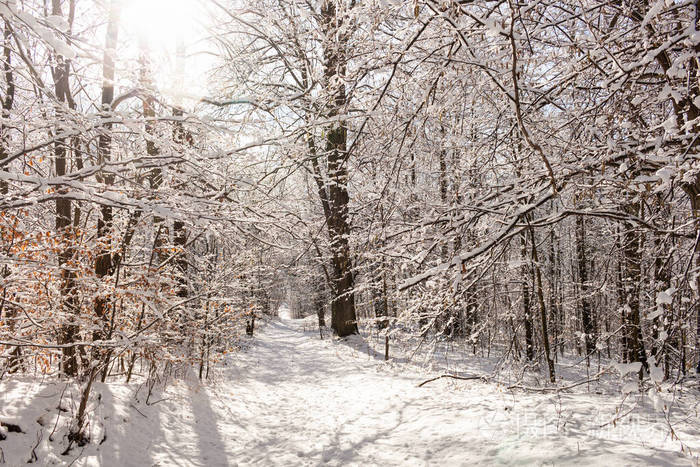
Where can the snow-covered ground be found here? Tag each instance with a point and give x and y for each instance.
(293, 399)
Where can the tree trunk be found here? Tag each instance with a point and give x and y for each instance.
(343, 317)
(181, 137)
(103, 255)
(543, 310)
(527, 314)
(554, 304)
(586, 312)
(70, 309)
(632, 277)
(379, 299)
(7, 103)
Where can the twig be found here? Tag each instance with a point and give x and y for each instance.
(134, 407)
(79, 455)
(619, 417)
(39, 437)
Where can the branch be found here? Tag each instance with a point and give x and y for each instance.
(463, 378)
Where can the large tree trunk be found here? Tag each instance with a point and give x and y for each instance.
(343, 317)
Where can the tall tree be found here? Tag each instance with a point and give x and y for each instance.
(334, 193)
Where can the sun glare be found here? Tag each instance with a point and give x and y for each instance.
(161, 23)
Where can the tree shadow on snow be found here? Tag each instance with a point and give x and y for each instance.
(341, 449)
(124, 430)
(211, 446)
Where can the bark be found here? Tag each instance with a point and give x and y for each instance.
(687, 111)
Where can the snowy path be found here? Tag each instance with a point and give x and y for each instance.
(292, 399)
(302, 401)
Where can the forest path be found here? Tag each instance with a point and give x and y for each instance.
(312, 401)
(294, 399)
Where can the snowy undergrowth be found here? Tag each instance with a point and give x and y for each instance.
(294, 399)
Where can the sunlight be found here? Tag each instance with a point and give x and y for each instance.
(160, 23)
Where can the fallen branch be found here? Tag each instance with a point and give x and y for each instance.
(463, 378)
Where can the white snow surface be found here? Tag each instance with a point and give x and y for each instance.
(293, 399)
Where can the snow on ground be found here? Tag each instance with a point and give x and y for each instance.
(293, 399)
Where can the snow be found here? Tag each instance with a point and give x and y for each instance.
(626, 368)
(284, 312)
(58, 22)
(665, 297)
(293, 399)
(655, 9)
(656, 373)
